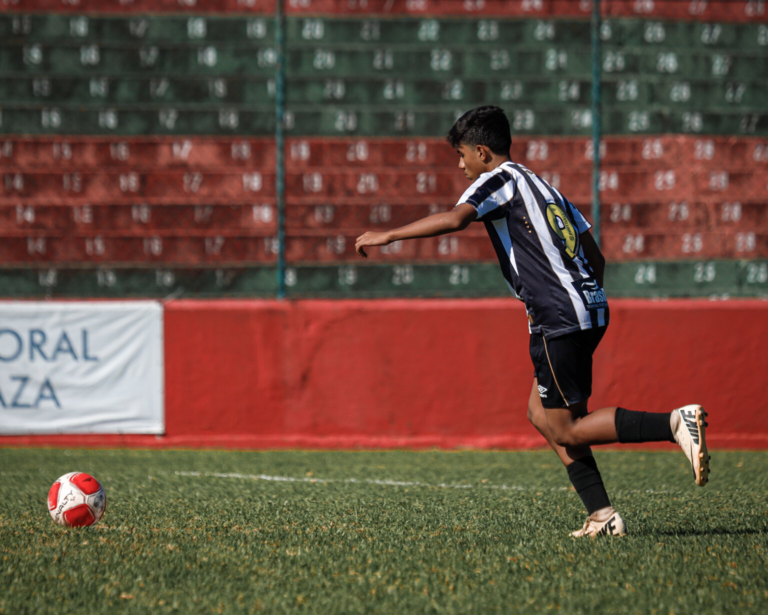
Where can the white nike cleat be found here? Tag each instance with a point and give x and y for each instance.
(611, 525)
(690, 435)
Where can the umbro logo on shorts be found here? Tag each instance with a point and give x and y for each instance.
(543, 391)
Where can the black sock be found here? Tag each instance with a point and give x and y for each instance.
(586, 479)
(633, 426)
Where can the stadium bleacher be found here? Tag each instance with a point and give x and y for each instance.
(137, 146)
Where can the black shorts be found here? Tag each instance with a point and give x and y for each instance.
(563, 366)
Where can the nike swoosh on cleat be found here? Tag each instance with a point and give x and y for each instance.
(693, 429)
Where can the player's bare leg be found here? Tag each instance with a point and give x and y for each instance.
(583, 473)
(574, 427)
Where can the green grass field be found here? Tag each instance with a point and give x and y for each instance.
(466, 532)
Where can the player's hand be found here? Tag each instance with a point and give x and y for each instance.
(371, 238)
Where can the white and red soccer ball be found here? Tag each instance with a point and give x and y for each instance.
(76, 500)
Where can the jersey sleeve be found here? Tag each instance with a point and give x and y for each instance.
(482, 195)
(582, 224)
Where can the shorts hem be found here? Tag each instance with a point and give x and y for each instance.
(561, 332)
(565, 407)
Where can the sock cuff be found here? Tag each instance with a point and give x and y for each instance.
(634, 426)
(625, 422)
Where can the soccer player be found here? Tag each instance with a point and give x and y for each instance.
(553, 264)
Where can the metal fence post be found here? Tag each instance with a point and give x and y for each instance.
(280, 145)
(596, 118)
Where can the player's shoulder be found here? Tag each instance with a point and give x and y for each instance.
(479, 190)
(517, 167)
(487, 184)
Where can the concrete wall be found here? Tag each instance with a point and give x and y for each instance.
(423, 373)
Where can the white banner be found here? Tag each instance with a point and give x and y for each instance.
(81, 367)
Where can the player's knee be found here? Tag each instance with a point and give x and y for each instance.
(563, 435)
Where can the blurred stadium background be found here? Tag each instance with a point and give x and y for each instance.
(138, 142)
(141, 156)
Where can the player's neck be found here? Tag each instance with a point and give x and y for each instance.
(496, 161)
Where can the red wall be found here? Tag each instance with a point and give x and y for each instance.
(448, 373)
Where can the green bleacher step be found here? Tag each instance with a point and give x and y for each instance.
(717, 279)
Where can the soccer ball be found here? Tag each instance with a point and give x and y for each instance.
(76, 500)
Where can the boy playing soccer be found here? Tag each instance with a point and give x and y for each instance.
(551, 262)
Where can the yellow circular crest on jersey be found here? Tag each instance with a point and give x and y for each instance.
(562, 227)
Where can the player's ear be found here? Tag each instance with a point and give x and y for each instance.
(481, 152)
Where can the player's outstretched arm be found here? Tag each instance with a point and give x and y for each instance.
(431, 226)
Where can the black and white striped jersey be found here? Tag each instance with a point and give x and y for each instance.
(535, 232)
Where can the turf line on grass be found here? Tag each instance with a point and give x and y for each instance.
(375, 481)
(304, 479)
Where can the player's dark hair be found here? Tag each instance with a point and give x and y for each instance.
(482, 126)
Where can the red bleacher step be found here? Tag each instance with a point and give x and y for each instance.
(623, 246)
(169, 187)
(341, 247)
(139, 218)
(141, 250)
(137, 153)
